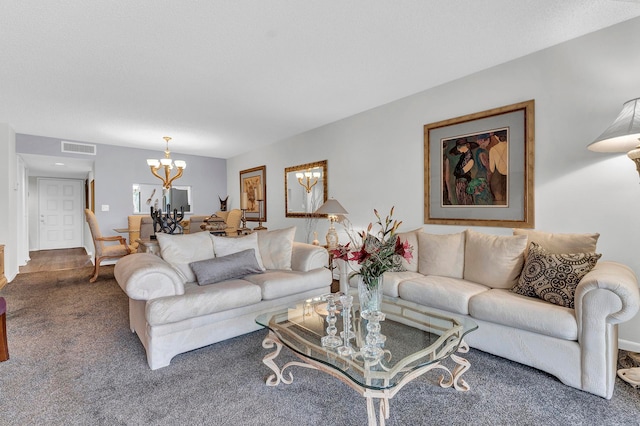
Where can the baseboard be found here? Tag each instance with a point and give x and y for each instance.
(628, 345)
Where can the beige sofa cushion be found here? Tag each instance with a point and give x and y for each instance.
(276, 284)
(501, 306)
(276, 247)
(180, 250)
(494, 260)
(449, 294)
(224, 246)
(412, 238)
(201, 300)
(441, 254)
(561, 243)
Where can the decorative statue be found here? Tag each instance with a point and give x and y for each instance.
(223, 203)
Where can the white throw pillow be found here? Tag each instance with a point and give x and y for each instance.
(441, 255)
(557, 243)
(180, 250)
(494, 260)
(224, 246)
(412, 238)
(276, 247)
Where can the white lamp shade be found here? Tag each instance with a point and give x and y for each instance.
(624, 134)
(166, 162)
(331, 207)
(181, 164)
(153, 163)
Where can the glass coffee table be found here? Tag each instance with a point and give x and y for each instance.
(417, 341)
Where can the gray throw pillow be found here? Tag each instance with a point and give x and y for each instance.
(224, 268)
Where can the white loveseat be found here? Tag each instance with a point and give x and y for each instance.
(472, 274)
(175, 307)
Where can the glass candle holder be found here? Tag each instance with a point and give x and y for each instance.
(331, 340)
(347, 334)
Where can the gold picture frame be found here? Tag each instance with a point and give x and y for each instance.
(254, 183)
(479, 168)
(302, 197)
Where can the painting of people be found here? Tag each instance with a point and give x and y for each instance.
(475, 169)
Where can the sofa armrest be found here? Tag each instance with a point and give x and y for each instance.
(605, 297)
(609, 292)
(306, 257)
(145, 276)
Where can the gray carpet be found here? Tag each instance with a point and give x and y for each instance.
(73, 360)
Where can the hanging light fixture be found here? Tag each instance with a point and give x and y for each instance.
(167, 164)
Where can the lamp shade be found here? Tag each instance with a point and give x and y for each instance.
(624, 134)
(332, 207)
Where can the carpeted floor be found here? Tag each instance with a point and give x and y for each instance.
(73, 360)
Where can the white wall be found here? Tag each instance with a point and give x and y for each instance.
(375, 158)
(8, 195)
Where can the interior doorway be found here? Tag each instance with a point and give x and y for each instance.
(60, 213)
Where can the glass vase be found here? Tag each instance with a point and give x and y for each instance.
(370, 295)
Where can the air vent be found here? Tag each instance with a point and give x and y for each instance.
(78, 148)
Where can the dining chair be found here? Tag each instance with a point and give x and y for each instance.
(104, 251)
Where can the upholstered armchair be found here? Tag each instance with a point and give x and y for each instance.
(133, 222)
(232, 219)
(104, 251)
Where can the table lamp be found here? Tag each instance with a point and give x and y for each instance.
(332, 208)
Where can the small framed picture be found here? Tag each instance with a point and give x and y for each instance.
(253, 193)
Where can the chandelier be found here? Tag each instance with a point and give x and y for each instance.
(167, 164)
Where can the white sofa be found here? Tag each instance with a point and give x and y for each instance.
(172, 314)
(472, 274)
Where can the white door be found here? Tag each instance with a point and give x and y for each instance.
(60, 213)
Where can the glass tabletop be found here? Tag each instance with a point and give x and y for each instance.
(415, 337)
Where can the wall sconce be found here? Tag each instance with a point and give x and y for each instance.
(623, 135)
(308, 179)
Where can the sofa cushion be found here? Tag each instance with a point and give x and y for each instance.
(561, 243)
(390, 281)
(412, 238)
(501, 306)
(276, 247)
(494, 260)
(441, 254)
(180, 250)
(224, 246)
(554, 277)
(449, 294)
(223, 268)
(276, 284)
(202, 300)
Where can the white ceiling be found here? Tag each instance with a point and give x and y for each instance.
(224, 77)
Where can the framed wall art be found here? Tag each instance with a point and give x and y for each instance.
(253, 193)
(478, 168)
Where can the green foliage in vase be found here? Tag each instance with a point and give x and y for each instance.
(375, 252)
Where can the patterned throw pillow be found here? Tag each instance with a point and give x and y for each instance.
(554, 277)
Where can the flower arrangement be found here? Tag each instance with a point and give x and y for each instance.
(375, 253)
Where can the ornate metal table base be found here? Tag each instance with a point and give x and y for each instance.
(384, 395)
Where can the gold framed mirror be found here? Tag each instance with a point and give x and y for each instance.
(305, 189)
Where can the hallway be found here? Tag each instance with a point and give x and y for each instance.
(56, 260)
